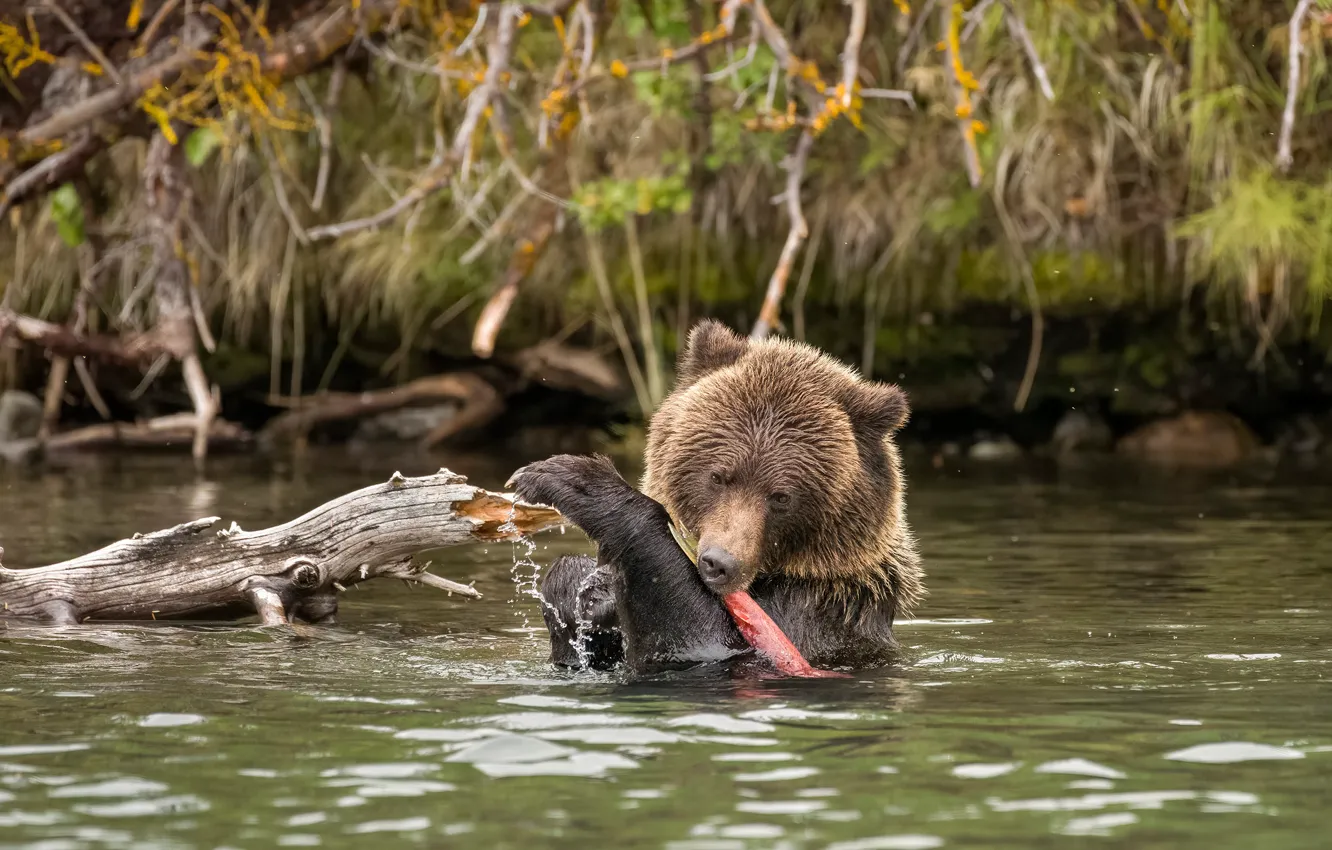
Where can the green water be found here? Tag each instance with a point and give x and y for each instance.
(1135, 661)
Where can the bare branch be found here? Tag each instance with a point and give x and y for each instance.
(497, 227)
(773, 35)
(1018, 29)
(976, 17)
(667, 58)
(94, 52)
(742, 62)
(441, 168)
(150, 31)
(50, 171)
(429, 183)
(85, 111)
(1284, 159)
(280, 191)
(324, 124)
(851, 53)
(890, 94)
(419, 67)
(770, 313)
(521, 264)
(477, 28)
(559, 7)
(408, 571)
(913, 36)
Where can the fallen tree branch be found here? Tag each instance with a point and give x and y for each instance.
(65, 342)
(1284, 159)
(473, 394)
(174, 431)
(521, 264)
(288, 573)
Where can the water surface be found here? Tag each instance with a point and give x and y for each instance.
(1106, 660)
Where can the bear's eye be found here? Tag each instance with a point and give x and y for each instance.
(717, 478)
(780, 499)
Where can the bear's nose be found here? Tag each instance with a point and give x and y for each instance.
(717, 567)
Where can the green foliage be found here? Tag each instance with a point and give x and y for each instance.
(200, 144)
(669, 21)
(666, 94)
(66, 210)
(609, 201)
(948, 215)
(734, 144)
(1263, 225)
(1144, 133)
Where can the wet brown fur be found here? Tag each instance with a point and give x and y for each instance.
(777, 416)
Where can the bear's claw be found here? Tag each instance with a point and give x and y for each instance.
(575, 485)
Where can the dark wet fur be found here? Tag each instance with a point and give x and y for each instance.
(664, 614)
(644, 590)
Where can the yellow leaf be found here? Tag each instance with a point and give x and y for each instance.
(135, 15)
(618, 69)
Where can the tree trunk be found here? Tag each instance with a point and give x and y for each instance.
(168, 200)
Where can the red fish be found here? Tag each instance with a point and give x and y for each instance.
(755, 625)
(765, 636)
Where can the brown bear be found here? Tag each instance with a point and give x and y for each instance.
(782, 462)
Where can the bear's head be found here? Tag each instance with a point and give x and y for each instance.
(781, 460)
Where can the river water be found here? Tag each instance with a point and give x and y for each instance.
(1106, 659)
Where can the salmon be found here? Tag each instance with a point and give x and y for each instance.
(765, 636)
(754, 624)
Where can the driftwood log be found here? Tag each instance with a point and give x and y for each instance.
(288, 573)
(478, 403)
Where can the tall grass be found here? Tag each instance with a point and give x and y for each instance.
(1147, 176)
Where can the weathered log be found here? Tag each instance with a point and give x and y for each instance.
(478, 401)
(285, 574)
(178, 430)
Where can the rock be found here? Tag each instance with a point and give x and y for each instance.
(20, 420)
(20, 416)
(1080, 431)
(1305, 436)
(997, 448)
(406, 424)
(1193, 438)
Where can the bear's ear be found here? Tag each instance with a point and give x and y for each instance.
(876, 408)
(711, 346)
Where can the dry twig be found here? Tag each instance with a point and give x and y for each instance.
(851, 53)
(1018, 29)
(770, 312)
(1284, 158)
(94, 52)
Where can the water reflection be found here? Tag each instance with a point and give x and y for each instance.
(1097, 661)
